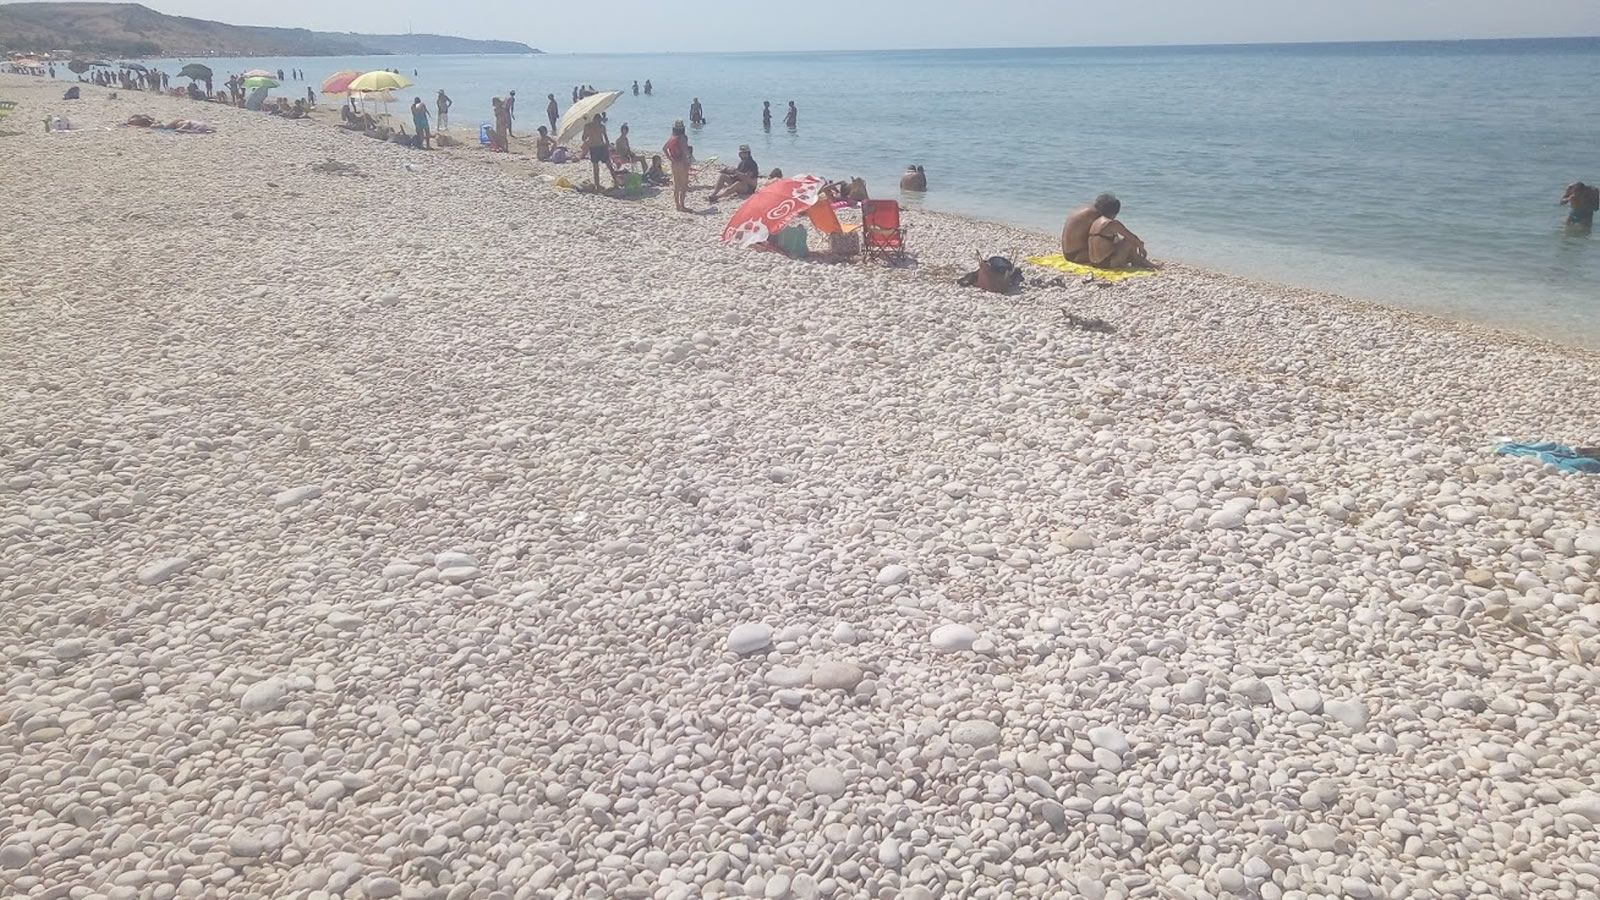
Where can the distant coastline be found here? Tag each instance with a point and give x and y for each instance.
(130, 30)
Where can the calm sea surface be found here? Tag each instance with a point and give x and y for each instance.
(1423, 175)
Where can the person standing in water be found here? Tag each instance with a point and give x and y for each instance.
(648, 88)
(914, 180)
(636, 87)
(442, 103)
(1582, 200)
(792, 117)
(766, 115)
(697, 114)
(552, 111)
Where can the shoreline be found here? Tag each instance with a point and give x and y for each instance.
(416, 529)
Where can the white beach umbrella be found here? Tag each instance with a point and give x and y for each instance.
(579, 114)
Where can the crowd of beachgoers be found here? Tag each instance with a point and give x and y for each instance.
(382, 524)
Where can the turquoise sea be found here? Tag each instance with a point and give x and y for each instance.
(1423, 175)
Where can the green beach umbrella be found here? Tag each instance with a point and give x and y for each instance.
(260, 82)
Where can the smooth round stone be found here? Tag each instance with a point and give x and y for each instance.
(344, 620)
(749, 637)
(787, 677)
(381, 887)
(162, 570)
(15, 856)
(1108, 738)
(1253, 689)
(825, 781)
(458, 574)
(326, 793)
(245, 845)
(723, 798)
(1226, 519)
(264, 696)
(453, 559)
(1352, 713)
(843, 633)
(841, 676)
(489, 780)
(1307, 700)
(1078, 540)
(976, 732)
(70, 648)
(893, 574)
(295, 496)
(953, 637)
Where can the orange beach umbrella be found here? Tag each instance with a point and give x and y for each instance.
(339, 82)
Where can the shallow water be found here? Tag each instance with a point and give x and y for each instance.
(1423, 175)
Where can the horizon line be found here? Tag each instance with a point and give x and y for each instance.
(1158, 46)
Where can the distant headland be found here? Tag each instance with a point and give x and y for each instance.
(130, 29)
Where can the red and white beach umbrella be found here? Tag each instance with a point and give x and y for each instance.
(772, 209)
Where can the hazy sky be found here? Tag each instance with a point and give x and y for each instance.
(680, 25)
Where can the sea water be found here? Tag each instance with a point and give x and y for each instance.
(1423, 175)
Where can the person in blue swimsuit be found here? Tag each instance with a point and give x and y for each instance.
(1582, 201)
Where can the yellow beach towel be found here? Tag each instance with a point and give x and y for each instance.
(1060, 262)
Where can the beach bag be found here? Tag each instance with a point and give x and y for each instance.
(996, 274)
(483, 134)
(791, 242)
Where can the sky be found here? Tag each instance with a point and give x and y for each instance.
(681, 25)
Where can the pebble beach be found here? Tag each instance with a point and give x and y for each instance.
(409, 527)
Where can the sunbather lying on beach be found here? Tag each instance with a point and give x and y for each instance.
(740, 179)
(1093, 236)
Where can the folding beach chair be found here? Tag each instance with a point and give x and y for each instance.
(707, 166)
(882, 235)
(843, 240)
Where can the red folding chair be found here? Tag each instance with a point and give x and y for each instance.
(882, 235)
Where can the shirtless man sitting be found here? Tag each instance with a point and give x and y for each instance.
(1093, 236)
(741, 179)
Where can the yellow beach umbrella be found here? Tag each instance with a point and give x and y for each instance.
(379, 81)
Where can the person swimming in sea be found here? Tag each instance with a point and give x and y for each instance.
(914, 180)
(1582, 201)
(1093, 236)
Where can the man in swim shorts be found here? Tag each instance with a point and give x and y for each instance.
(597, 146)
(1583, 200)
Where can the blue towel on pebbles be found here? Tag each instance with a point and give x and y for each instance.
(1559, 455)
